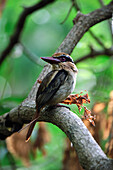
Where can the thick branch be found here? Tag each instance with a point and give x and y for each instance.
(20, 25)
(90, 154)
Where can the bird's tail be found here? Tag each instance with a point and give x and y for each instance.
(32, 127)
(30, 131)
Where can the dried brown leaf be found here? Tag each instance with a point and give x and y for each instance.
(18, 147)
(109, 147)
(88, 116)
(70, 160)
(77, 99)
(43, 137)
(98, 107)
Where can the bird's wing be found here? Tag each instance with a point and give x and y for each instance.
(47, 89)
(49, 86)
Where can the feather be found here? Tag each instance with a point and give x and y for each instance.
(45, 95)
(32, 126)
(49, 86)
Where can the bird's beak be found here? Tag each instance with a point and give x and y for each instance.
(51, 60)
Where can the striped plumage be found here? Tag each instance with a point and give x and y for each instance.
(57, 84)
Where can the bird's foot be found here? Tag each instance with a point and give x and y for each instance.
(58, 105)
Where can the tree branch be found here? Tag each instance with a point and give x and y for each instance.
(94, 53)
(91, 33)
(97, 39)
(90, 154)
(20, 25)
(67, 14)
(33, 57)
(82, 24)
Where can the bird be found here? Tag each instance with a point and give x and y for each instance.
(56, 86)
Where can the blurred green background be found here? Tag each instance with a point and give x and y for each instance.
(42, 35)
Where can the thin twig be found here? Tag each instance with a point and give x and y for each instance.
(94, 53)
(75, 5)
(67, 14)
(20, 25)
(97, 39)
(34, 58)
(101, 3)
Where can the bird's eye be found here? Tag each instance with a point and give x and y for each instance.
(63, 59)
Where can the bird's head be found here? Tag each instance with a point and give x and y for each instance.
(60, 61)
(58, 58)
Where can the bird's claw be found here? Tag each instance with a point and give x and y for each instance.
(58, 105)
